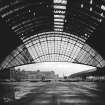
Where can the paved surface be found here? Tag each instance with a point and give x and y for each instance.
(59, 93)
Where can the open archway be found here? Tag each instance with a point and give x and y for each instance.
(53, 31)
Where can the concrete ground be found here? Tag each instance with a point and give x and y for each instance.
(58, 93)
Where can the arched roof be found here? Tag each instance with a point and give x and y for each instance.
(53, 30)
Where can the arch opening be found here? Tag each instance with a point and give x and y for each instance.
(60, 68)
(53, 47)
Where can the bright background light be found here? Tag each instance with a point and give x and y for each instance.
(60, 68)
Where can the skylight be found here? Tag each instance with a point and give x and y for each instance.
(58, 23)
(103, 7)
(91, 1)
(59, 14)
(59, 7)
(58, 26)
(60, 1)
(59, 11)
(60, 20)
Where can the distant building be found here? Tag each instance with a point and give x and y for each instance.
(21, 75)
(41, 74)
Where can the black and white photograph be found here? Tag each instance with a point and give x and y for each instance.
(52, 52)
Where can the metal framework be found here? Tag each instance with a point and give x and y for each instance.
(53, 30)
(53, 47)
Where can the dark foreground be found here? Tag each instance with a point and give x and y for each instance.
(52, 93)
